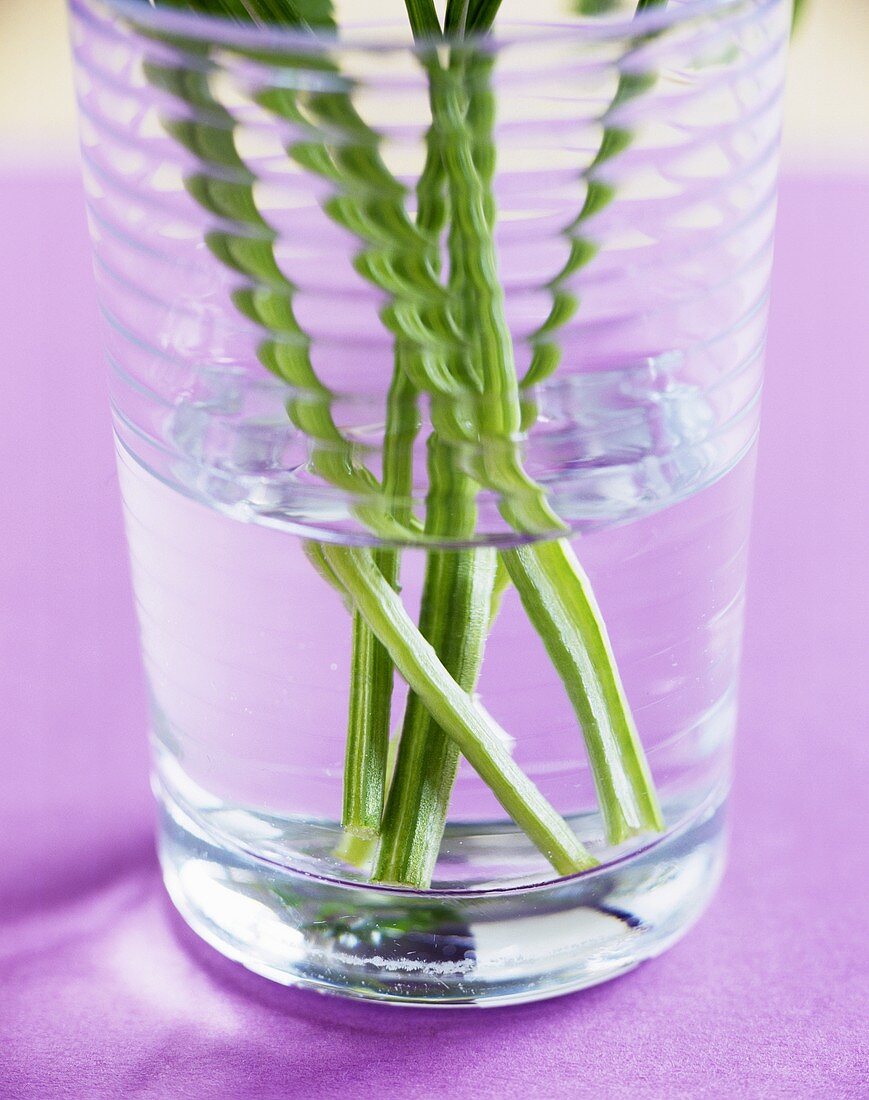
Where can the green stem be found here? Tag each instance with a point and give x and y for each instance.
(454, 618)
(558, 599)
(487, 339)
(356, 850)
(371, 679)
(423, 18)
(418, 801)
(454, 710)
(557, 596)
(367, 729)
(456, 18)
(457, 606)
(481, 15)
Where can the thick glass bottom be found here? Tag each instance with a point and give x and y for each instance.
(442, 947)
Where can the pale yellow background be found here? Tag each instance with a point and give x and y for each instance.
(827, 115)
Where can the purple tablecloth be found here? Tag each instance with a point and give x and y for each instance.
(104, 992)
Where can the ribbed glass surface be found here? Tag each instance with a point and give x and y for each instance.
(660, 328)
(259, 202)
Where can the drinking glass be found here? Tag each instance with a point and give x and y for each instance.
(401, 322)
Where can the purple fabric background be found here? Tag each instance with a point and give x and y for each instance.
(104, 993)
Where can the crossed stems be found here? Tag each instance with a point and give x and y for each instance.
(452, 343)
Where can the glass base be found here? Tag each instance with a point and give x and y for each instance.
(442, 948)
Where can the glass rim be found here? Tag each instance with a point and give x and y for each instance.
(373, 36)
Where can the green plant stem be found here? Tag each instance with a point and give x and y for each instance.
(371, 679)
(459, 599)
(355, 850)
(454, 618)
(453, 709)
(423, 18)
(487, 340)
(458, 602)
(367, 725)
(481, 15)
(455, 609)
(558, 598)
(456, 18)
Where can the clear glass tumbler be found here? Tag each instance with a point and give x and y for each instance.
(437, 365)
